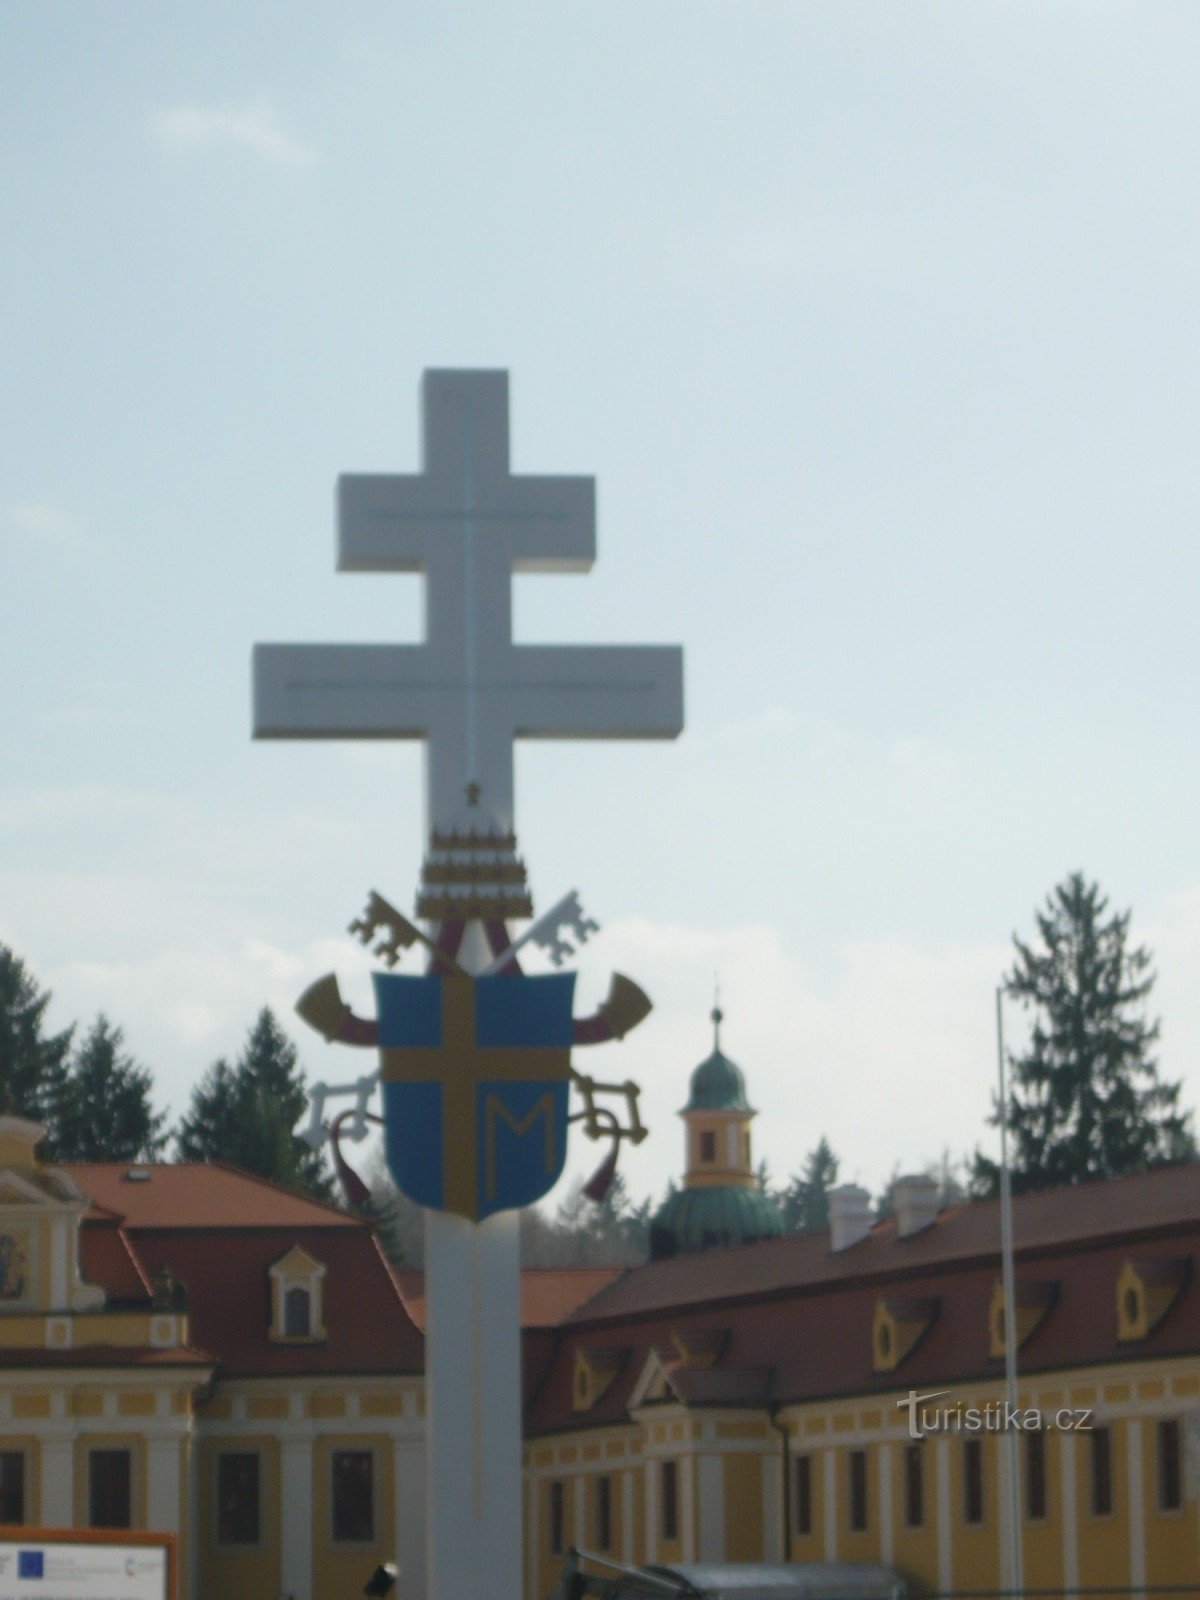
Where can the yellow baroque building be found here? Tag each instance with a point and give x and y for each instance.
(191, 1350)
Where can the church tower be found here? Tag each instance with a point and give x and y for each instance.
(720, 1202)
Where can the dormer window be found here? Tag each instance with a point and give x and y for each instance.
(1146, 1291)
(1034, 1302)
(896, 1327)
(296, 1298)
(297, 1313)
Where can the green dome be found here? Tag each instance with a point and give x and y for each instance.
(698, 1219)
(718, 1085)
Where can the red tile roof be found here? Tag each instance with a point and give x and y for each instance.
(548, 1294)
(802, 1313)
(225, 1271)
(219, 1230)
(202, 1194)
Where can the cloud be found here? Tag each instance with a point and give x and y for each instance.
(44, 523)
(255, 129)
(887, 1046)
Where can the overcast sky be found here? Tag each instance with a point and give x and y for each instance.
(877, 325)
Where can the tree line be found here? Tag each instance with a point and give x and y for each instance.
(1085, 1098)
(96, 1101)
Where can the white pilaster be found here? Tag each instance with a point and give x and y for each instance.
(710, 1486)
(945, 1525)
(687, 1507)
(164, 1484)
(830, 1504)
(1137, 1509)
(652, 1469)
(58, 1481)
(627, 1551)
(408, 1457)
(885, 1503)
(1070, 1511)
(296, 1530)
(60, 1277)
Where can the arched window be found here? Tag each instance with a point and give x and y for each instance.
(297, 1313)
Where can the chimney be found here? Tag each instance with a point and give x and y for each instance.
(849, 1216)
(915, 1199)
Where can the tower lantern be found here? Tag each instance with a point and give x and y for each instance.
(720, 1202)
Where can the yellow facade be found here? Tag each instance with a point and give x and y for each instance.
(946, 1545)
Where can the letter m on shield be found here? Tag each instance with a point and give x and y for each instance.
(476, 1076)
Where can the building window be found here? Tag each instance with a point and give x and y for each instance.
(297, 1313)
(803, 1494)
(604, 1513)
(1170, 1465)
(858, 1491)
(12, 1487)
(238, 1497)
(556, 1518)
(353, 1497)
(914, 1486)
(110, 1489)
(1101, 1439)
(669, 1484)
(1035, 1475)
(708, 1146)
(296, 1283)
(973, 1481)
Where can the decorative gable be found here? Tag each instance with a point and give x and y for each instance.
(896, 1327)
(654, 1385)
(1034, 1301)
(297, 1311)
(595, 1368)
(40, 1211)
(1146, 1291)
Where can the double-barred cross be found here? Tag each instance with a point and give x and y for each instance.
(466, 523)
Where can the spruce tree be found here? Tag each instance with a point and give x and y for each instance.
(103, 1110)
(805, 1201)
(1085, 1098)
(32, 1061)
(247, 1114)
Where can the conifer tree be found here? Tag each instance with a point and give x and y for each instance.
(247, 1114)
(805, 1200)
(32, 1061)
(1085, 1098)
(102, 1111)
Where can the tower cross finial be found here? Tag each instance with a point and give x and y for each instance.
(717, 1015)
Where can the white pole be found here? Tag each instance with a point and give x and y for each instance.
(1012, 1437)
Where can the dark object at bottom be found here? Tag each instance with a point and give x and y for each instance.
(586, 1576)
(382, 1580)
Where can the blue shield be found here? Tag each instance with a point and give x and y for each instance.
(475, 1075)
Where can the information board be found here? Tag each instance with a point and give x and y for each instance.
(82, 1566)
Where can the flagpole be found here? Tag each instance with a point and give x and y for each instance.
(1016, 1575)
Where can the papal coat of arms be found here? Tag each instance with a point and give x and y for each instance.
(475, 1065)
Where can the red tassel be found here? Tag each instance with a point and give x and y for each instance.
(600, 1181)
(356, 1192)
